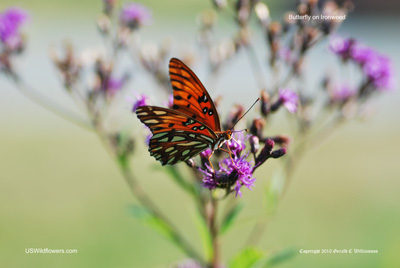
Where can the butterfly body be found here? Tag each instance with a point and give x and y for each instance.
(190, 127)
(222, 138)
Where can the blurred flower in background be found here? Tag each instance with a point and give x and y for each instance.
(375, 66)
(134, 15)
(10, 22)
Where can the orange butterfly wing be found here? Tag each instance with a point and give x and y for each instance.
(176, 137)
(191, 97)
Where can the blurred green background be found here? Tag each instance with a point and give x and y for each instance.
(60, 189)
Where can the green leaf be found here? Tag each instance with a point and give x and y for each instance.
(231, 217)
(274, 260)
(247, 258)
(204, 235)
(281, 256)
(147, 217)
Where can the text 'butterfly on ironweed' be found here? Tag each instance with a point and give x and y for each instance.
(190, 127)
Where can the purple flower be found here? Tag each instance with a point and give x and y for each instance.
(285, 54)
(134, 15)
(289, 99)
(342, 93)
(114, 85)
(212, 180)
(244, 170)
(141, 100)
(237, 144)
(170, 101)
(341, 46)
(361, 54)
(230, 174)
(10, 22)
(206, 153)
(379, 71)
(148, 136)
(375, 66)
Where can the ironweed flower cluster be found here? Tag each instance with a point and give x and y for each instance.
(11, 21)
(134, 15)
(98, 79)
(12, 41)
(376, 67)
(235, 172)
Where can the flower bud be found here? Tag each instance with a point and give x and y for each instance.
(302, 9)
(5, 64)
(262, 13)
(275, 28)
(265, 152)
(257, 126)
(282, 140)
(264, 103)
(278, 153)
(254, 144)
(233, 116)
(207, 19)
(243, 9)
(104, 24)
(275, 106)
(109, 6)
(69, 66)
(190, 163)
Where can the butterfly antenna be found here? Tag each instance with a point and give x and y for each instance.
(241, 130)
(245, 113)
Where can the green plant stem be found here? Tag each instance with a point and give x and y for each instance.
(145, 200)
(257, 231)
(49, 105)
(214, 231)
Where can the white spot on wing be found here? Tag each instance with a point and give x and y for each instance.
(151, 121)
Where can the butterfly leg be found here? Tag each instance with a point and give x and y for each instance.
(209, 161)
(229, 152)
(230, 155)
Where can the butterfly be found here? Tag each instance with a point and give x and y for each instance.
(190, 127)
